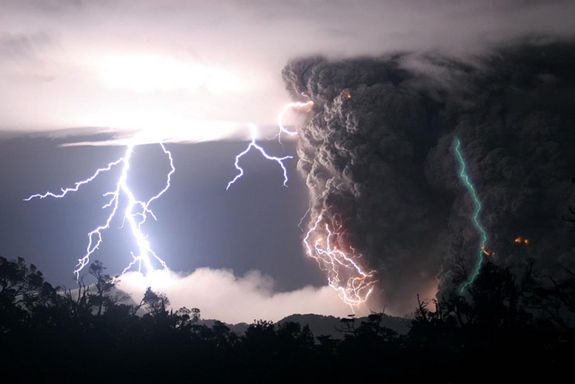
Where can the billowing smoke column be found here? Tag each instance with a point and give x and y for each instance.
(379, 161)
(362, 153)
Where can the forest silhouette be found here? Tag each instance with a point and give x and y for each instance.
(497, 332)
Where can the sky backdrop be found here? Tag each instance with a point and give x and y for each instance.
(195, 74)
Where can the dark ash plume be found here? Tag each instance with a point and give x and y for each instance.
(378, 160)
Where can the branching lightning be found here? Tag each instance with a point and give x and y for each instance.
(135, 213)
(344, 273)
(300, 222)
(475, 217)
(254, 144)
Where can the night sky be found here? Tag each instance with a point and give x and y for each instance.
(200, 224)
(80, 79)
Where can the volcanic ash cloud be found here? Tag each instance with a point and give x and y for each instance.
(377, 155)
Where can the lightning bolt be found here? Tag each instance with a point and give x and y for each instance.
(344, 273)
(253, 144)
(286, 108)
(300, 222)
(474, 218)
(136, 212)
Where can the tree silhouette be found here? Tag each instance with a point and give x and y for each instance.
(498, 324)
(155, 304)
(104, 285)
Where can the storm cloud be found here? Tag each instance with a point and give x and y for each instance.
(55, 55)
(377, 154)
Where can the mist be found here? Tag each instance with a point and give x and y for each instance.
(222, 295)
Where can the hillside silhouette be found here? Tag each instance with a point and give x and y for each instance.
(496, 333)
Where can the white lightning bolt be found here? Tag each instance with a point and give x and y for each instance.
(135, 213)
(251, 145)
(282, 129)
(345, 275)
(287, 107)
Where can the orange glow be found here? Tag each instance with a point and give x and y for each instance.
(520, 240)
(348, 95)
(487, 253)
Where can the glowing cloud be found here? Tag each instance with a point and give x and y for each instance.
(146, 73)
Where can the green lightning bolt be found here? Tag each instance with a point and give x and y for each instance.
(475, 218)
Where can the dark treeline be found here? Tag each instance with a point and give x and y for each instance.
(495, 333)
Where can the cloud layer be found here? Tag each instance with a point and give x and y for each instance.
(55, 55)
(223, 296)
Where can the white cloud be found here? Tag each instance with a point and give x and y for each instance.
(52, 54)
(219, 294)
